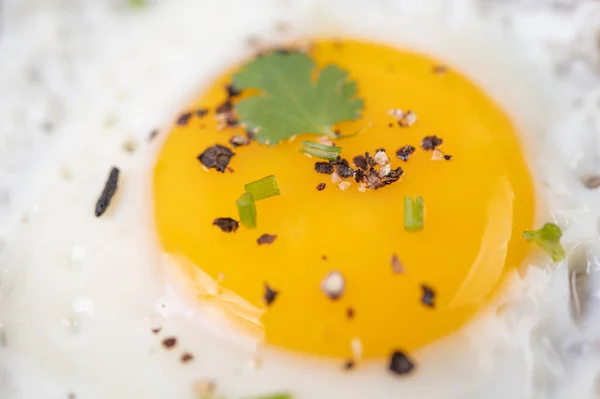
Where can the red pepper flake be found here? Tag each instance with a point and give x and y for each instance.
(217, 156)
(170, 342)
(350, 313)
(405, 152)
(201, 112)
(428, 296)
(400, 363)
(321, 186)
(156, 330)
(227, 225)
(397, 266)
(429, 143)
(270, 294)
(187, 357)
(360, 162)
(266, 239)
(349, 365)
(324, 167)
(184, 118)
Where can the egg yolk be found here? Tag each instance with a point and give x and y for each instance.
(476, 206)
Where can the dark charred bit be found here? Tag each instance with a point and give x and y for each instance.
(369, 159)
(324, 167)
(110, 188)
(397, 266)
(266, 239)
(390, 124)
(360, 162)
(428, 296)
(232, 91)
(225, 107)
(447, 157)
(350, 313)
(217, 156)
(156, 330)
(270, 294)
(337, 132)
(400, 363)
(321, 186)
(186, 357)
(324, 257)
(201, 112)
(429, 143)
(359, 175)
(349, 364)
(393, 176)
(343, 168)
(153, 135)
(239, 140)
(169, 342)
(184, 118)
(405, 152)
(227, 225)
(373, 180)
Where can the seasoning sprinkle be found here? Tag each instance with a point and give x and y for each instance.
(397, 266)
(349, 364)
(184, 118)
(201, 112)
(110, 188)
(360, 162)
(324, 167)
(156, 330)
(405, 152)
(429, 143)
(186, 357)
(270, 294)
(227, 225)
(153, 134)
(217, 156)
(225, 107)
(400, 363)
(239, 140)
(232, 91)
(350, 313)
(428, 296)
(266, 239)
(381, 157)
(333, 285)
(169, 342)
(343, 168)
(321, 186)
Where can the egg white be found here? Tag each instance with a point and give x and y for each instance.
(79, 296)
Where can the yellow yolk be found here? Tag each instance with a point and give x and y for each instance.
(476, 206)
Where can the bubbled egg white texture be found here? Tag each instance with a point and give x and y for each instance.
(84, 83)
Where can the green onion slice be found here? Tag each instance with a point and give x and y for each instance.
(328, 152)
(548, 238)
(247, 210)
(413, 213)
(263, 188)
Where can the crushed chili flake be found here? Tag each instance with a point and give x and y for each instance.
(428, 296)
(429, 143)
(266, 239)
(405, 152)
(110, 188)
(343, 168)
(321, 186)
(239, 140)
(184, 118)
(333, 285)
(169, 342)
(360, 162)
(227, 225)
(350, 313)
(217, 156)
(201, 112)
(232, 91)
(324, 167)
(270, 294)
(225, 107)
(186, 357)
(400, 363)
(397, 266)
(349, 364)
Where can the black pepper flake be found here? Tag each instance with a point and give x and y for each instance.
(270, 294)
(358, 175)
(369, 159)
(343, 168)
(349, 364)
(228, 225)
(186, 357)
(428, 296)
(324, 167)
(169, 342)
(440, 69)
(225, 107)
(217, 156)
(390, 124)
(350, 313)
(405, 152)
(153, 135)
(202, 112)
(447, 157)
(110, 188)
(397, 266)
(400, 363)
(266, 239)
(156, 330)
(321, 186)
(360, 162)
(324, 257)
(393, 176)
(429, 143)
(239, 140)
(231, 120)
(232, 91)
(373, 180)
(184, 118)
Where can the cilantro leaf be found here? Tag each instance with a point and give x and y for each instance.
(291, 102)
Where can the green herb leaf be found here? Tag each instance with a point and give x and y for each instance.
(247, 210)
(548, 238)
(137, 3)
(282, 395)
(263, 188)
(291, 102)
(413, 213)
(323, 151)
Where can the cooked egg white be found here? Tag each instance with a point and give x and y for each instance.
(86, 303)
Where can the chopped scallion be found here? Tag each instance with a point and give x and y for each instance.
(263, 188)
(328, 152)
(274, 396)
(548, 238)
(247, 210)
(413, 213)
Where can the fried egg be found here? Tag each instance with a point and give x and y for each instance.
(151, 297)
